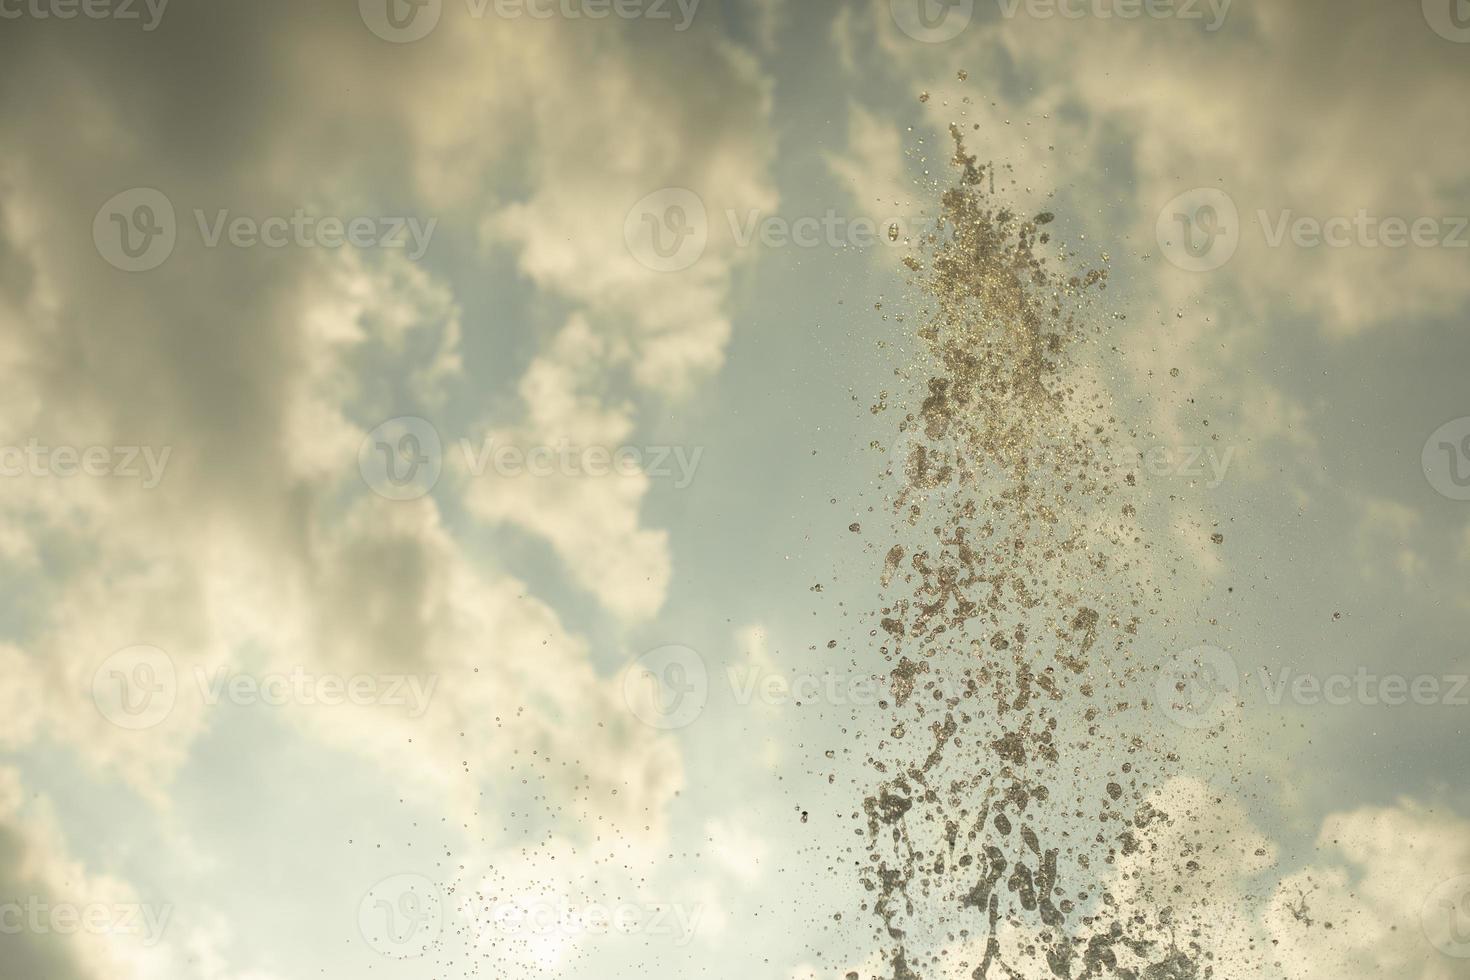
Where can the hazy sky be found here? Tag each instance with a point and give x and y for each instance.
(392, 397)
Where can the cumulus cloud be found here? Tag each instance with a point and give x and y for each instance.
(63, 921)
(1288, 119)
(1362, 908)
(261, 370)
(1270, 108)
(592, 521)
(699, 125)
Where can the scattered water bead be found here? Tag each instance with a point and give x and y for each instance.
(1009, 586)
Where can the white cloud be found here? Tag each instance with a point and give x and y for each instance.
(63, 921)
(592, 522)
(261, 548)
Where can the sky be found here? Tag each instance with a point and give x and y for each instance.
(430, 433)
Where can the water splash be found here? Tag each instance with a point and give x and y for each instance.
(1015, 778)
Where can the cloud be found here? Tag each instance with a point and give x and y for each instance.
(260, 371)
(1272, 109)
(1364, 914)
(1356, 911)
(1289, 119)
(592, 522)
(62, 921)
(700, 123)
(1385, 532)
(771, 18)
(873, 167)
